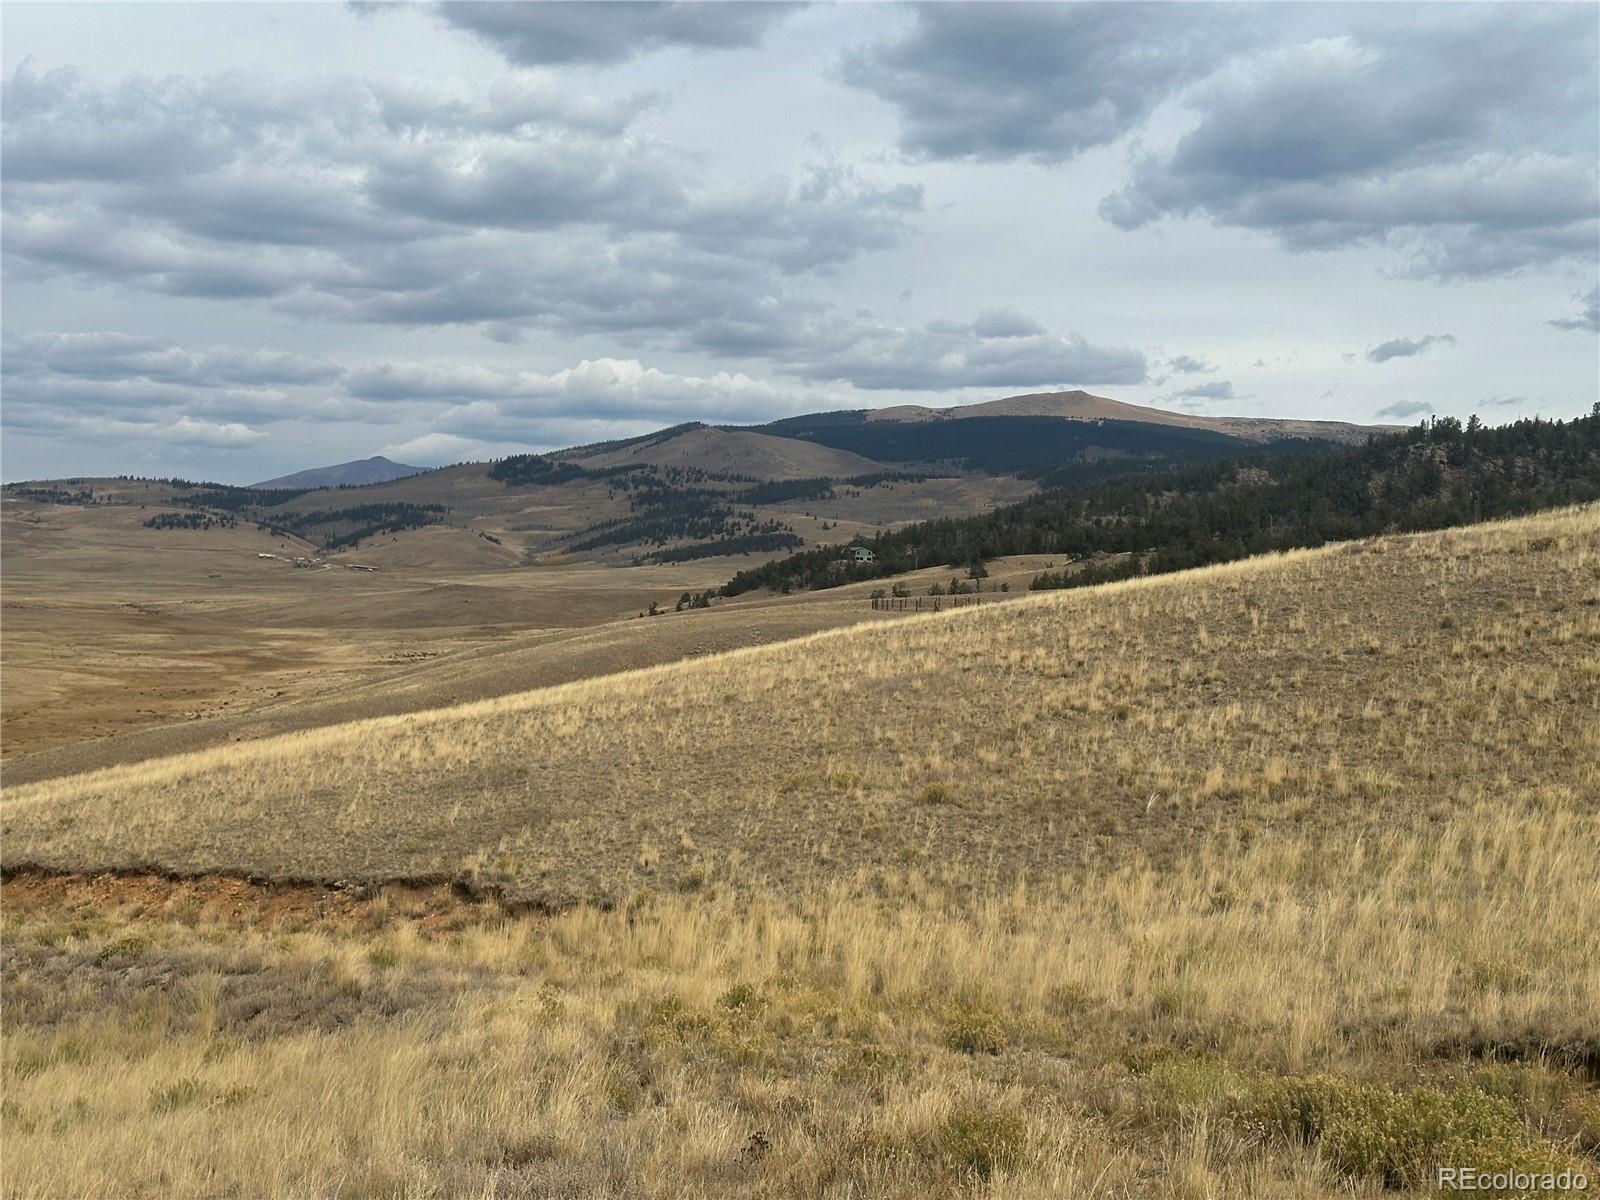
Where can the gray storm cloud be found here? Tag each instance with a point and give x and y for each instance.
(562, 32)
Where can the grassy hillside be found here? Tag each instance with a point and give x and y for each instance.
(1268, 880)
(736, 451)
(1314, 690)
(532, 507)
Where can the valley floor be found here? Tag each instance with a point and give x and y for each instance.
(124, 643)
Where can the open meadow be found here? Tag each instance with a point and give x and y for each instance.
(124, 643)
(1274, 879)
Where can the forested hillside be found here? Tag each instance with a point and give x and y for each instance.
(1003, 444)
(1439, 474)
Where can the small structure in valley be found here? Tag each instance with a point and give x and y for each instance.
(858, 554)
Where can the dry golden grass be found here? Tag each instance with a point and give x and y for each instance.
(124, 643)
(1274, 880)
(1386, 684)
(1116, 1037)
(114, 629)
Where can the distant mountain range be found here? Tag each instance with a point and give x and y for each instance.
(1082, 406)
(1017, 434)
(697, 491)
(376, 469)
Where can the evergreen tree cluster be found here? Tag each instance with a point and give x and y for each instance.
(334, 529)
(534, 470)
(711, 524)
(669, 504)
(1003, 444)
(783, 491)
(1438, 474)
(191, 520)
(234, 499)
(767, 542)
(51, 495)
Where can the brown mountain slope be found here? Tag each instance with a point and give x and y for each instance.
(1083, 406)
(740, 452)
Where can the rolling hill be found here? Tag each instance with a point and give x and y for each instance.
(1082, 406)
(1269, 635)
(1028, 434)
(735, 452)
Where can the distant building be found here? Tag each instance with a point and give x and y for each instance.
(859, 554)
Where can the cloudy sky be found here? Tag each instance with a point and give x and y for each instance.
(244, 239)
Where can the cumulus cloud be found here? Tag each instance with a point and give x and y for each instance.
(440, 449)
(1464, 138)
(1222, 389)
(1588, 317)
(110, 355)
(183, 430)
(1005, 322)
(1407, 347)
(60, 126)
(1401, 409)
(604, 389)
(555, 32)
(553, 210)
(415, 205)
(154, 389)
(104, 385)
(1039, 81)
(198, 431)
(945, 355)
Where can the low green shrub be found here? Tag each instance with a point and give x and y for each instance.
(1402, 1137)
(1195, 1080)
(973, 1029)
(742, 997)
(978, 1140)
(129, 946)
